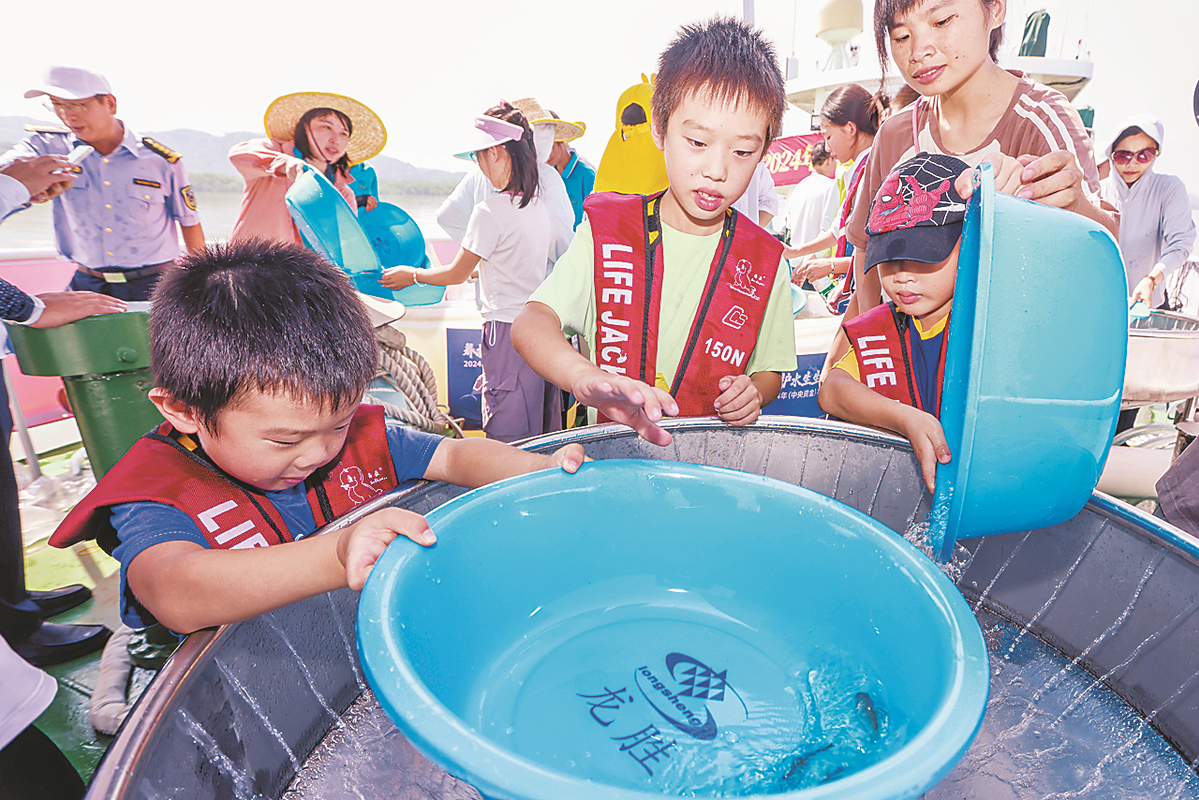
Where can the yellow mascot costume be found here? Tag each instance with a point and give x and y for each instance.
(632, 163)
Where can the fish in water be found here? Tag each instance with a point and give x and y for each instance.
(864, 704)
(865, 707)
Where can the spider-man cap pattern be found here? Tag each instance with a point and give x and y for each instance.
(917, 214)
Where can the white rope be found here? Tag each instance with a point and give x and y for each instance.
(109, 707)
(412, 376)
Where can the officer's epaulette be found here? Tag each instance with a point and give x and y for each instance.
(47, 129)
(161, 149)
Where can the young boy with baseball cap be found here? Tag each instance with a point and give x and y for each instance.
(891, 377)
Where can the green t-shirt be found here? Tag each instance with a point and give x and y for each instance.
(570, 292)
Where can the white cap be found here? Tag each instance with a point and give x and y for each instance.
(1148, 124)
(71, 83)
(489, 132)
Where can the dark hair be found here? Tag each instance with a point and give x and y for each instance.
(342, 164)
(819, 153)
(730, 62)
(885, 13)
(258, 314)
(523, 180)
(852, 103)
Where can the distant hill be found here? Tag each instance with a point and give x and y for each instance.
(207, 154)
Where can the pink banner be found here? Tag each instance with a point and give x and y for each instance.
(787, 158)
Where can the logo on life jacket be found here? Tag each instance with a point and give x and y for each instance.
(745, 280)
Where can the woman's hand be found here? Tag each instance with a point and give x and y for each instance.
(1143, 291)
(399, 277)
(293, 167)
(811, 269)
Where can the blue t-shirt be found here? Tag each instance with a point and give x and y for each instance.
(142, 525)
(926, 361)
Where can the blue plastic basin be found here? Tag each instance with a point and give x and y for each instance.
(615, 633)
(1034, 368)
(363, 245)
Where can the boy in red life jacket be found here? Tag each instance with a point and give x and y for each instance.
(261, 352)
(680, 298)
(891, 377)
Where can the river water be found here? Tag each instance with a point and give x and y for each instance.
(34, 228)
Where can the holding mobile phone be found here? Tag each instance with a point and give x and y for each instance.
(76, 156)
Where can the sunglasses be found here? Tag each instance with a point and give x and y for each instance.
(1142, 156)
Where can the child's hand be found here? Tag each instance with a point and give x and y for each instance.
(927, 436)
(739, 402)
(360, 545)
(398, 277)
(629, 402)
(569, 458)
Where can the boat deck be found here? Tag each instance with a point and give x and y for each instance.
(66, 721)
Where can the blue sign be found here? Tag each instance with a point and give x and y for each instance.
(797, 397)
(464, 375)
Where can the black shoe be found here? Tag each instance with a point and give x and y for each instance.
(53, 644)
(48, 604)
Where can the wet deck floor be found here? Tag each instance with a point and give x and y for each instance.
(66, 721)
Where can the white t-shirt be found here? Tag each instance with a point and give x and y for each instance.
(759, 195)
(811, 208)
(514, 244)
(474, 188)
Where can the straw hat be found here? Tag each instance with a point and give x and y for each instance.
(563, 131)
(368, 136)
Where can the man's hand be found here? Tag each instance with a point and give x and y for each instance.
(629, 402)
(64, 307)
(739, 402)
(360, 545)
(41, 176)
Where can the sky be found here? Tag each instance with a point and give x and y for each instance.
(428, 68)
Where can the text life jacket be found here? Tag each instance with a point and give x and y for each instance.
(880, 344)
(627, 230)
(232, 515)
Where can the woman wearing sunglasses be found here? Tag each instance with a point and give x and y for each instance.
(1156, 228)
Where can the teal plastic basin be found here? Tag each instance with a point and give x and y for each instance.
(362, 246)
(623, 631)
(1034, 368)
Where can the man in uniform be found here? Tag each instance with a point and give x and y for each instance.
(117, 222)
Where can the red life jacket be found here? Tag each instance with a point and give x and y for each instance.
(845, 290)
(627, 230)
(231, 514)
(880, 344)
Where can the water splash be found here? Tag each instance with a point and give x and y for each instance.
(345, 639)
(266, 722)
(1057, 589)
(978, 604)
(213, 752)
(302, 664)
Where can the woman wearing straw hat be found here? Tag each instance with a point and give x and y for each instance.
(329, 132)
(508, 238)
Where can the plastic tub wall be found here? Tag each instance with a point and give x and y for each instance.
(251, 700)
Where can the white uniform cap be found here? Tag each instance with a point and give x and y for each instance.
(71, 83)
